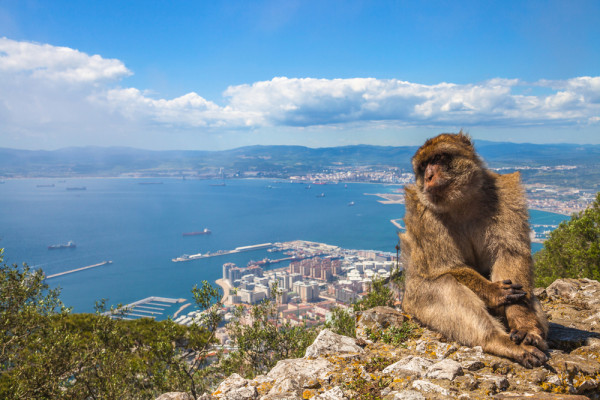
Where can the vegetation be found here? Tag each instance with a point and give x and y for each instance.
(47, 352)
(573, 249)
(260, 339)
(342, 322)
(379, 295)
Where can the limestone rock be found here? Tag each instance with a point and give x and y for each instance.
(331, 343)
(408, 395)
(377, 318)
(429, 387)
(410, 365)
(235, 388)
(445, 369)
(333, 394)
(431, 367)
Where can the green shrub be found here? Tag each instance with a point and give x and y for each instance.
(573, 249)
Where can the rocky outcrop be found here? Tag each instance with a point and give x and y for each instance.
(429, 367)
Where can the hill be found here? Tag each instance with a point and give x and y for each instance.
(283, 161)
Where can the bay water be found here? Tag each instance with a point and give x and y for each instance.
(138, 224)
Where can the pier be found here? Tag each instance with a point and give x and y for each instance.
(241, 249)
(78, 269)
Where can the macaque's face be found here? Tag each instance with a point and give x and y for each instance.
(446, 168)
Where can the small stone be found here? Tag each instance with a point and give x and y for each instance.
(473, 365)
(408, 395)
(428, 387)
(445, 369)
(410, 365)
(333, 394)
(329, 342)
(467, 382)
(445, 349)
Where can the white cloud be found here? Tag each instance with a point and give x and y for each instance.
(43, 61)
(45, 88)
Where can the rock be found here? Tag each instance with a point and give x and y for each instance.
(445, 369)
(497, 383)
(539, 396)
(305, 372)
(377, 318)
(408, 395)
(333, 394)
(473, 365)
(410, 365)
(235, 388)
(175, 396)
(431, 367)
(286, 386)
(428, 387)
(331, 343)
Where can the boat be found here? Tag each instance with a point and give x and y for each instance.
(206, 231)
(321, 195)
(218, 184)
(351, 203)
(45, 185)
(307, 187)
(77, 188)
(69, 245)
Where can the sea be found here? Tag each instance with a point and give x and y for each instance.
(138, 224)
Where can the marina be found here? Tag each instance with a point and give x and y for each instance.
(150, 307)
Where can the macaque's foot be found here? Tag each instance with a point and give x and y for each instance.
(528, 337)
(505, 292)
(531, 357)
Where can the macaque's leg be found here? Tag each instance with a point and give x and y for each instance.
(454, 310)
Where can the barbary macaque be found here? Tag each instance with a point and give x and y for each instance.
(467, 254)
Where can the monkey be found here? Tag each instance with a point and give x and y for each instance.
(467, 253)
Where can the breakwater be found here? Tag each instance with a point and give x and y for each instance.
(78, 269)
(241, 249)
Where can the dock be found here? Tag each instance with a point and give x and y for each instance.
(78, 269)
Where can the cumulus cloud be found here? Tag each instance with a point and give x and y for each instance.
(44, 86)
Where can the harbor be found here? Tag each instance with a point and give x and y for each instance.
(241, 249)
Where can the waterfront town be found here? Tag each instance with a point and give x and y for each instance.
(318, 278)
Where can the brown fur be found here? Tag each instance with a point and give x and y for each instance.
(467, 253)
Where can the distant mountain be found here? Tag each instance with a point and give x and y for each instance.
(267, 160)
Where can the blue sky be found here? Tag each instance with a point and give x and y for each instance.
(223, 74)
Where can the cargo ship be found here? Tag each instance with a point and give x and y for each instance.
(206, 231)
(69, 245)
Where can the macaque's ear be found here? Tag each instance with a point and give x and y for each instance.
(465, 138)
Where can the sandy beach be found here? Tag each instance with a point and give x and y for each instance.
(225, 286)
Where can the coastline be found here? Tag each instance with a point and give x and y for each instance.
(225, 286)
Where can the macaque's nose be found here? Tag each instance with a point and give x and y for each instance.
(429, 173)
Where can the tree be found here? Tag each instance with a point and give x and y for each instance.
(573, 249)
(48, 353)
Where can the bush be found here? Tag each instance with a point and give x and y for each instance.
(573, 249)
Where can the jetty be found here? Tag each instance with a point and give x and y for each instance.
(78, 269)
(240, 249)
